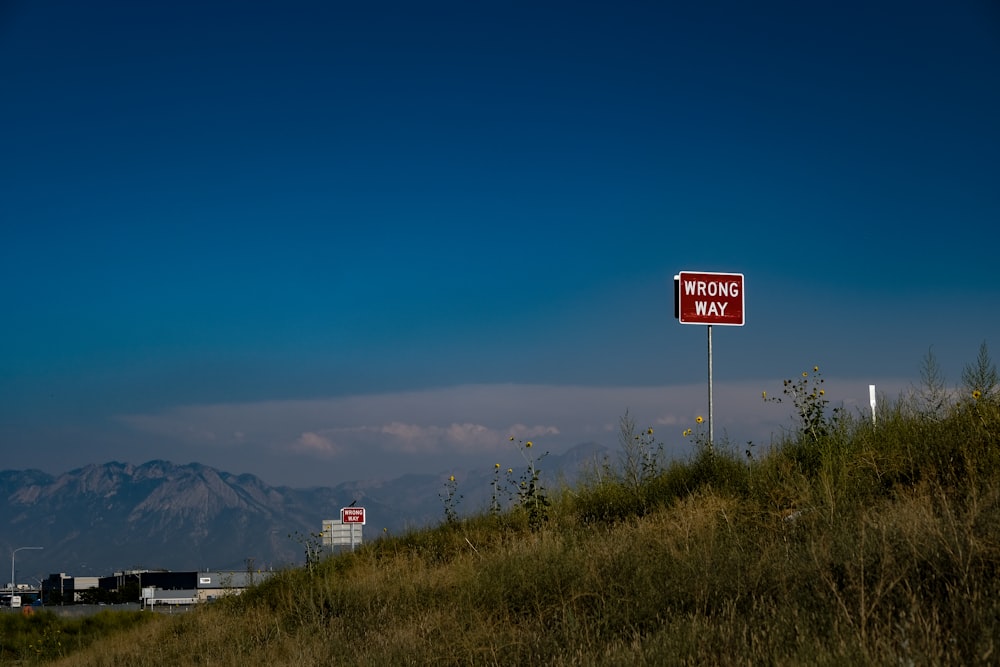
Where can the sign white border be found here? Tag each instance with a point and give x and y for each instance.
(742, 298)
(343, 515)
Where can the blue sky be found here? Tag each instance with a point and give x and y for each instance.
(323, 241)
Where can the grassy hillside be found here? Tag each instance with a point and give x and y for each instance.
(846, 543)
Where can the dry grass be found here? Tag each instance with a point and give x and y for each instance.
(869, 547)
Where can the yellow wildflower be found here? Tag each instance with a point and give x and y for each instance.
(977, 394)
(698, 419)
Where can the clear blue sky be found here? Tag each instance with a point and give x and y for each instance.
(321, 241)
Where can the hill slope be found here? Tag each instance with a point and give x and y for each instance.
(846, 544)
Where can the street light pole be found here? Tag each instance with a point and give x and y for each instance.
(12, 565)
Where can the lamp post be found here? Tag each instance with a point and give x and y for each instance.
(12, 565)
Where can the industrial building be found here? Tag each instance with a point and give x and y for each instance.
(152, 587)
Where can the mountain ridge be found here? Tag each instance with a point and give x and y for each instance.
(105, 517)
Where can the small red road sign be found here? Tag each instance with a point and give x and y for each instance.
(353, 515)
(709, 298)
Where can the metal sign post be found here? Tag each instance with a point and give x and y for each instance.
(353, 516)
(707, 298)
(711, 406)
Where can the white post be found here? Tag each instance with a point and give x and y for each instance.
(871, 398)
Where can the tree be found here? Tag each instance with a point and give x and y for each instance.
(932, 394)
(981, 379)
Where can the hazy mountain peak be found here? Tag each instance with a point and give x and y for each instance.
(115, 515)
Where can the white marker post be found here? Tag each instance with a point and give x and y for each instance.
(709, 298)
(871, 399)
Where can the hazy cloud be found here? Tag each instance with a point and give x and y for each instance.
(314, 443)
(387, 434)
(409, 438)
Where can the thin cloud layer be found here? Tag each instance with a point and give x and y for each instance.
(389, 434)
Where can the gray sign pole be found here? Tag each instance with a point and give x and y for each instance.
(711, 420)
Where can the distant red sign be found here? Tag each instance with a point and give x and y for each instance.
(709, 298)
(353, 515)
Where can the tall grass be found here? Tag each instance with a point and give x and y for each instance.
(852, 544)
(43, 636)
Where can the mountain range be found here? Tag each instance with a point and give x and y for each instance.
(114, 516)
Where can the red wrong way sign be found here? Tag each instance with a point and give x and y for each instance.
(352, 515)
(709, 298)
